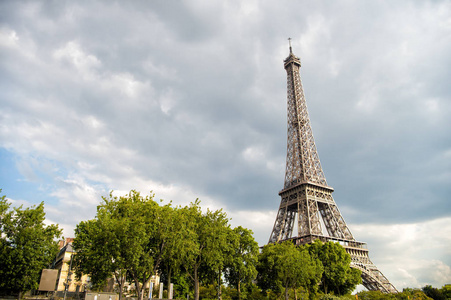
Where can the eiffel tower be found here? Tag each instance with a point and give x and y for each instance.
(306, 197)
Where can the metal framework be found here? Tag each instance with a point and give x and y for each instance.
(306, 197)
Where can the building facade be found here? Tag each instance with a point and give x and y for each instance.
(66, 274)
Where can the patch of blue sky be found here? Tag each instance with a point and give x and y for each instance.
(19, 186)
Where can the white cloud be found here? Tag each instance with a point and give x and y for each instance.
(260, 222)
(85, 63)
(254, 154)
(316, 35)
(410, 255)
(19, 202)
(160, 70)
(93, 123)
(126, 84)
(8, 38)
(168, 100)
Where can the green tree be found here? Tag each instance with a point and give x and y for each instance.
(433, 293)
(241, 268)
(446, 291)
(27, 246)
(98, 246)
(171, 263)
(375, 295)
(182, 283)
(267, 277)
(338, 276)
(203, 252)
(410, 294)
(129, 236)
(284, 266)
(255, 293)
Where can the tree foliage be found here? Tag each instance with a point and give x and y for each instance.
(179, 243)
(96, 252)
(128, 238)
(406, 294)
(27, 246)
(206, 245)
(338, 276)
(241, 266)
(437, 294)
(133, 237)
(285, 266)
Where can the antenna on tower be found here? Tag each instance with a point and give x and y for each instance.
(289, 42)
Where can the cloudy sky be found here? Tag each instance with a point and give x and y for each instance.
(188, 99)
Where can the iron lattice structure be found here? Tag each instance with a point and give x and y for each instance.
(307, 198)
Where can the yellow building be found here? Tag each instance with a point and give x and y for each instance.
(66, 274)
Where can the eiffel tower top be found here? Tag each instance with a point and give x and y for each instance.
(292, 58)
(303, 165)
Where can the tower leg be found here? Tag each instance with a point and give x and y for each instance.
(372, 278)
